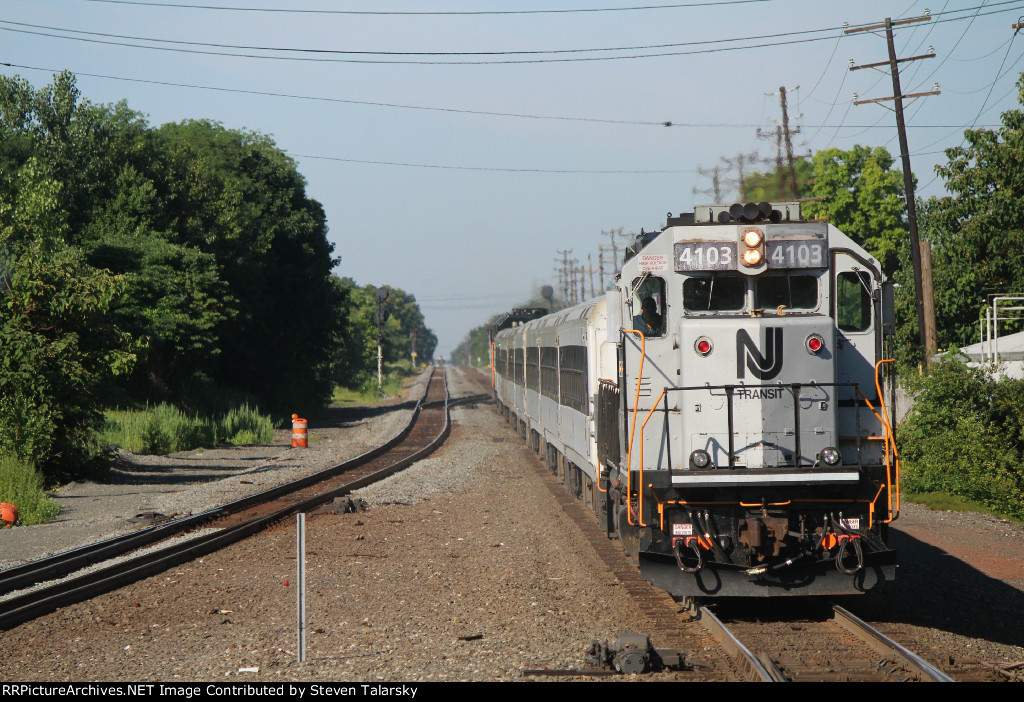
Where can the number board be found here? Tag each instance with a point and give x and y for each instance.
(801, 253)
(705, 256)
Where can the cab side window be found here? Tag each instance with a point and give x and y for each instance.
(647, 306)
(853, 302)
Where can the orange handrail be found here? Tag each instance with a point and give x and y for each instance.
(654, 406)
(632, 428)
(893, 515)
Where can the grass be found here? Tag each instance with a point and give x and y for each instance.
(367, 393)
(941, 502)
(22, 486)
(166, 429)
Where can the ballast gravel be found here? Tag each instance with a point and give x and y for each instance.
(463, 567)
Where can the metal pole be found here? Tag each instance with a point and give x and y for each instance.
(300, 582)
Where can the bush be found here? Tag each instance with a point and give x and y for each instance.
(245, 425)
(965, 437)
(166, 429)
(22, 485)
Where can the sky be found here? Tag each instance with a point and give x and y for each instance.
(459, 146)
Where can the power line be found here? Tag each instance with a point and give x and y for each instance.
(394, 13)
(566, 171)
(36, 32)
(247, 47)
(454, 110)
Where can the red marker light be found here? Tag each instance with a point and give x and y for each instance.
(703, 346)
(815, 343)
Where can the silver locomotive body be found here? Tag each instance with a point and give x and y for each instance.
(722, 409)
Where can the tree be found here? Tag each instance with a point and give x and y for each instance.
(59, 347)
(764, 187)
(977, 232)
(863, 196)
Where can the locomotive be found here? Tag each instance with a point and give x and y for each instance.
(722, 409)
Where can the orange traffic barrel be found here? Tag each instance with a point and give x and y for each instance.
(8, 514)
(299, 427)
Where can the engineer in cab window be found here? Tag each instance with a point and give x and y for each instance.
(651, 320)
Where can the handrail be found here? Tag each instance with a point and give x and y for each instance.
(599, 381)
(632, 429)
(654, 406)
(895, 454)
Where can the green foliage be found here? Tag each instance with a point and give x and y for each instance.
(358, 351)
(965, 437)
(863, 197)
(977, 232)
(59, 346)
(476, 345)
(22, 486)
(185, 263)
(941, 502)
(774, 185)
(245, 425)
(166, 429)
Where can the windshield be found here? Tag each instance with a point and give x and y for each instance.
(796, 292)
(714, 293)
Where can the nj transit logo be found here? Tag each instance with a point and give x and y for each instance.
(749, 357)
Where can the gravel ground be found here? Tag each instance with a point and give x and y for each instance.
(194, 481)
(463, 568)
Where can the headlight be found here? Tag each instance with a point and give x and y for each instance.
(831, 456)
(700, 459)
(752, 238)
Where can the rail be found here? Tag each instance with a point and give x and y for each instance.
(18, 609)
(882, 644)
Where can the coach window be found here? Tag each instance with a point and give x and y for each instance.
(853, 302)
(647, 306)
(714, 293)
(791, 292)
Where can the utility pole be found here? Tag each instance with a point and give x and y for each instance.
(788, 136)
(563, 275)
(590, 272)
(612, 235)
(716, 184)
(573, 272)
(921, 251)
(739, 161)
(783, 136)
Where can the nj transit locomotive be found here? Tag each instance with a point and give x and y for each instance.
(722, 408)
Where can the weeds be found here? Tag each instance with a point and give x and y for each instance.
(22, 485)
(166, 429)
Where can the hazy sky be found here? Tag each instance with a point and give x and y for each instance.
(467, 211)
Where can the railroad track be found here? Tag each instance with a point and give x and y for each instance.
(426, 430)
(667, 626)
(841, 649)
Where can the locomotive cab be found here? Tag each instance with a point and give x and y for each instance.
(756, 456)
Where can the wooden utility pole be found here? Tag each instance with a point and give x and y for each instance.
(788, 137)
(563, 275)
(739, 161)
(716, 184)
(783, 136)
(921, 252)
(612, 235)
(590, 272)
